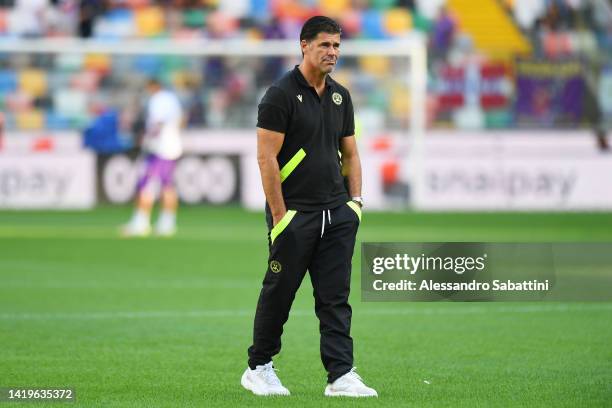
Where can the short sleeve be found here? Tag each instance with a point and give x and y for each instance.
(164, 107)
(156, 111)
(273, 111)
(349, 118)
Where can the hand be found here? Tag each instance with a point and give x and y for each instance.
(277, 217)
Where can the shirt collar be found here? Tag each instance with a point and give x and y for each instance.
(302, 81)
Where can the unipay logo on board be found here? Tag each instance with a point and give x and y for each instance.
(513, 183)
(51, 185)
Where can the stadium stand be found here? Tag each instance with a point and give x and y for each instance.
(66, 91)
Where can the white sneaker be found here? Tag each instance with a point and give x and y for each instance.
(263, 381)
(133, 229)
(165, 229)
(349, 385)
(166, 224)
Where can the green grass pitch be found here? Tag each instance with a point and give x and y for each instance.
(166, 322)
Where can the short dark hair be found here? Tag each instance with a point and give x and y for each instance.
(154, 81)
(319, 24)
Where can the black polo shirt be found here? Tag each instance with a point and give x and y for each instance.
(313, 126)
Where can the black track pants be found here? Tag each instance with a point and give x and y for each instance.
(321, 242)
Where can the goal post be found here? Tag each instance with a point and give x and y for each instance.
(412, 47)
(405, 71)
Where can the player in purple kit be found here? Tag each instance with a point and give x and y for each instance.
(162, 144)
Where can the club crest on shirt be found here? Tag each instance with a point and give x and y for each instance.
(275, 266)
(337, 98)
(299, 97)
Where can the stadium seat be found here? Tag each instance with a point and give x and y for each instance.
(373, 25)
(375, 65)
(136, 4)
(382, 4)
(8, 81)
(116, 24)
(174, 62)
(69, 62)
(235, 8)
(260, 9)
(80, 122)
(149, 65)
(33, 119)
(343, 77)
(334, 8)
(33, 81)
(291, 10)
(399, 102)
(397, 21)
(59, 79)
(85, 81)
(194, 18)
(97, 62)
(378, 99)
(421, 23)
(56, 121)
(221, 25)
(70, 103)
(351, 23)
(19, 101)
(149, 22)
(122, 63)
(3, 22)
(9, 121)
(369, 121)
(180, 79)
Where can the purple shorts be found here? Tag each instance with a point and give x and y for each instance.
(157, 168)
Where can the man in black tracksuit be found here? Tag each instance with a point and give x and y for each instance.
(308, 160)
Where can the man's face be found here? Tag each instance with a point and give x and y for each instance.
(152, 88)
(322, 52)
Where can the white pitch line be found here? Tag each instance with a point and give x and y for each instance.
(138, 285)
(224, 313)
(55, 233)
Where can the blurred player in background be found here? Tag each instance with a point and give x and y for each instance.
(162, 145)
(305, 120)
